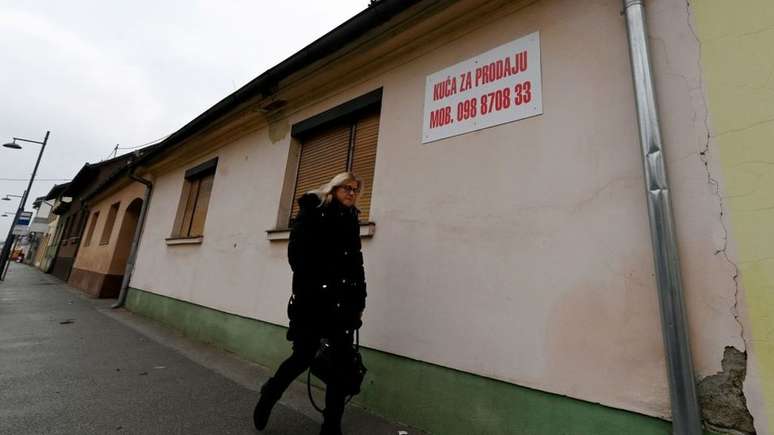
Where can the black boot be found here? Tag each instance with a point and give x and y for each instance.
(269, 396)
(332, 419)
(331, 429)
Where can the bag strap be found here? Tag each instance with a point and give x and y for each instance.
(309, 389)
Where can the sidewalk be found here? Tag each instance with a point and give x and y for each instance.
(72, 365)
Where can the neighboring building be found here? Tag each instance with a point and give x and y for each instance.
(39, 232)
(510, 270)
(74, 213)
(736, 40)
(55, 231)
(115, 207)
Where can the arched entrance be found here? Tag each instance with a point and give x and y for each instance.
(124, 242)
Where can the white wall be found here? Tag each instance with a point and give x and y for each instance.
(519, 252)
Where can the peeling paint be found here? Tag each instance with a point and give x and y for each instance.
(722, 399)
(279, 127)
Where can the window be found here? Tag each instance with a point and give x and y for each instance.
(72, 231)
(92, 225)
(194, 200)
(341, 139)
(65, 231)
(84, 214)
(109, 223)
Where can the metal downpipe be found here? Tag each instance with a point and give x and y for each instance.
(135, 240)
(674, 325)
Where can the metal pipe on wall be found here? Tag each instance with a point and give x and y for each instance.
(135, 240)
(674, 325)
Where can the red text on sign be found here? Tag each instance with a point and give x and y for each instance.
(440, 117)
(501, 99)
(496, 101)
(445, 88)
(523, 93)
(467, 109)
(501, 68)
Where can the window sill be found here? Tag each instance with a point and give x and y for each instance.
(172, 241)
(367, 230)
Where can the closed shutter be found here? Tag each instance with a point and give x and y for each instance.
(190, 203)
(202, 202)
(323, 155)
(92, 226)
(364, 158)
(349, 145)
(109, 223)
(66, 230)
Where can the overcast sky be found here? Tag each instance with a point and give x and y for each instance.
(100, 73)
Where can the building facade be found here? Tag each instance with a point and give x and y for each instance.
(114, 214)
(74, 211)
(39, 228)
(508, 256)
(54, 197)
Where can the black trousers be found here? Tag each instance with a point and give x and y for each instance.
(304, 349)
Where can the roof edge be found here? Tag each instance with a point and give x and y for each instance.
(376, 14)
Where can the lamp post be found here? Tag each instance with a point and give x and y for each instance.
(9, 239)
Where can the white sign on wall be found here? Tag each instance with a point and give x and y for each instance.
(499, 86)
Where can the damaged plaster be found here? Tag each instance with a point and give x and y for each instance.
(279, 127)
(705, 157)
(721, 396)
(736, 40)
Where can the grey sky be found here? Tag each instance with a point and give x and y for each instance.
(100, 73)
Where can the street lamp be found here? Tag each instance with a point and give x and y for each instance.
(13, 144)
(9, 239)
(8, 197)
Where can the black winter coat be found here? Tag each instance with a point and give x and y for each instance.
(329, 288)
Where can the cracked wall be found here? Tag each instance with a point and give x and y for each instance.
(738, 69)
(721, 396)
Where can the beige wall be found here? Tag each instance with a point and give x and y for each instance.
(98, 257)
(520, 252)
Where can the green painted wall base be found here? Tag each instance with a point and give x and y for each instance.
(437, 399)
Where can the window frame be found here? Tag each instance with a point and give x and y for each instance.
(92, 228)
(110, 223)
(193, 179)
(350, 112)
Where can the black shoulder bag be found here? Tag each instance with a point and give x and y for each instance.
(350, 370)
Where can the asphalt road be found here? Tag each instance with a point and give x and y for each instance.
(71, 365)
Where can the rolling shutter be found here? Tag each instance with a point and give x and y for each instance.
(349, 145)
(202, 203)
(323, 155)
(364, 158)
(190, 203)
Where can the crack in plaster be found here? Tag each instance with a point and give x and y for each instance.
(704, 156)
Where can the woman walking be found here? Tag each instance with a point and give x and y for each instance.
(329, 292)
